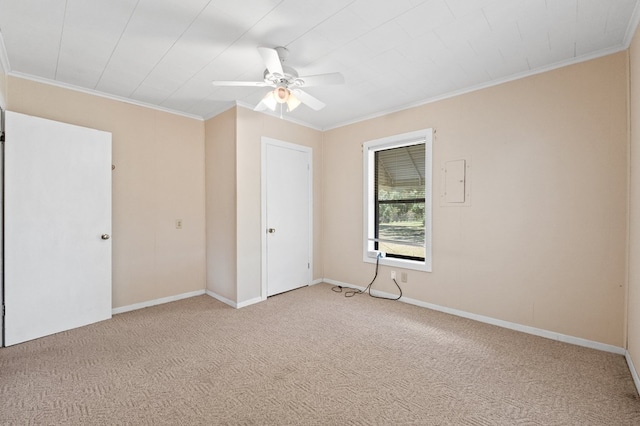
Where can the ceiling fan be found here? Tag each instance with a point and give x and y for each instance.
(287, 84)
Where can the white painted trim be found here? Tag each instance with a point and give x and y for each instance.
(2, 230)
(102, 94)
(368, 150)
(155, 302)
(632, 368)
(232, 303)
(217, 113)
(263, 219)
(631, 29)
(249, 302)
(5, 67)
(221, 299)
(633, 26)
(263, 205)
(268, 112)
(500, 323)
(284, 117)
(318, 281)
(496, 82)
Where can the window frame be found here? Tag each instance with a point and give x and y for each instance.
(369, 206)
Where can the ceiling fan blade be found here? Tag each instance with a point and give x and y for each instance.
(271, 60)
(240, 83)
(323, 79)
(309, 100)
(260, 107)
(268, 101)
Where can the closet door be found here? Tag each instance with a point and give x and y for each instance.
(57, 246)
(288, 207)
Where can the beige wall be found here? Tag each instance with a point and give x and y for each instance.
(233, 170)
(543, 243)
(633, 305)
(159, 177)
(251, 127)
(220, 154)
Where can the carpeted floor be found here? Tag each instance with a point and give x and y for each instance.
(309, 357)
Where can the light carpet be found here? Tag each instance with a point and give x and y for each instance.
(309, 357)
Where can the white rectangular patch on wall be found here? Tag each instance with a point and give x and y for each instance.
(454, 181)
(455, 184)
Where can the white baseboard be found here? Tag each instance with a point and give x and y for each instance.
(250, 302)
(232, 303)
(148, 303)
(500, 323)
(221, 298)
(632, 368)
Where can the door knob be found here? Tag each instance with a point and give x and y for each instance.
(105, 236)
(271, 230)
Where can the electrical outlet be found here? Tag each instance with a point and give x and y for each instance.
(393, 275)
(403, 277)
(178, 223)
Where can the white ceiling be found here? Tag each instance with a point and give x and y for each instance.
(393, 53)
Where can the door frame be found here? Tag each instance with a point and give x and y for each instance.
(2, 308)
(266, 141)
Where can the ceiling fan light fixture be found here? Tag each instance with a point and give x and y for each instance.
(285, 83)
(293, 102)
(269, 101)
(281, 94)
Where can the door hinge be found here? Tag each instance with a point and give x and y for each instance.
(308, 265)
(2, 311)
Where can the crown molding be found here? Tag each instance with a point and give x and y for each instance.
(268, 112)
(634, 22)
(284, 117)
(231, 105)
(632, 27)
(102, 95)
(492, 83)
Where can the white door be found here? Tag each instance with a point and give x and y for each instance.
(57, 208)
(287, 176)
(1, 233)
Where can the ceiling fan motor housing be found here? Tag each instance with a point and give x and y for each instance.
(290, 77)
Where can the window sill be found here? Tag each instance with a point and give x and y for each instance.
(399, 263)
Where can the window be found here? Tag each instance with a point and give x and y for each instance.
(397, 200)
